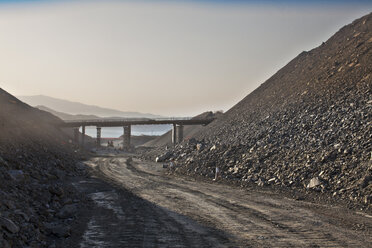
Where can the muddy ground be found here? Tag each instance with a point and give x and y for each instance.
(135, 204)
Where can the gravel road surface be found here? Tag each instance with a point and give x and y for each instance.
(137, 205)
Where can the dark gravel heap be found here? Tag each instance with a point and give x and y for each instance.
(37, 204)
(308, 126)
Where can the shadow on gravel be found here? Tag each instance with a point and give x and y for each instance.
(118, 218)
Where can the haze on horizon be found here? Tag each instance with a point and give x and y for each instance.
(176, 58)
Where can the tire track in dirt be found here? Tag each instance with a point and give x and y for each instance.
(122, 219)
(253, 219)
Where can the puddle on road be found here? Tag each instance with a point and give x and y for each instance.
(108, 200)
(93, 236)
(96, 233)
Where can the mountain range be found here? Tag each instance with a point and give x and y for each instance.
(77, 108)
(142, 129)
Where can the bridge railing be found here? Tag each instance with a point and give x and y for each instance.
(129, 119)
(115, 122)
(172, 118)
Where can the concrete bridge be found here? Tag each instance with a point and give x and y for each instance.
(177, 131)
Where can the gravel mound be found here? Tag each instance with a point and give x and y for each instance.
(37, 205)
(308, 126)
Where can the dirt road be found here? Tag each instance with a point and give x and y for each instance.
(144, 208)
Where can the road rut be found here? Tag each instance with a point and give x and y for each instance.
(145, 208)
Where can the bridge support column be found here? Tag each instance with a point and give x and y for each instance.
(179, 133)
(76, 136)
(82, 135)
(174, 134)
(98, 136)
(126, 137)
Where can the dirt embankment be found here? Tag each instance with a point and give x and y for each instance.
(37, 205)
(307, 127)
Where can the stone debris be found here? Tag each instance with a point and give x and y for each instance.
(163, 157)
(67, 211)
(313, 183)
(16, 175)
(9, 225)
(59, 230)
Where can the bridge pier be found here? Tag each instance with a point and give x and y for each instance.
(76, 136)
(177, 134)
(98, 136)
(179, 129)
(82, 135)
(126, 137)
(174, 134)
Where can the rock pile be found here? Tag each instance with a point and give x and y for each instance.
(262, 167)
(37, 204)
(308, 126)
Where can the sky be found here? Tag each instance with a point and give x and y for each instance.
(173, 58)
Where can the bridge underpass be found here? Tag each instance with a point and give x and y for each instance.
(177, 130)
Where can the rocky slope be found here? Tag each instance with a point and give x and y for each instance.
(307, 127)
(37, 206)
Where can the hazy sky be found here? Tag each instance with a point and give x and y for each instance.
(163, 57)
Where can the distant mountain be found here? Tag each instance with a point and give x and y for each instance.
(75, 108)
(67, 117)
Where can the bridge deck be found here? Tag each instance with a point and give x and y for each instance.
(126, 122)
